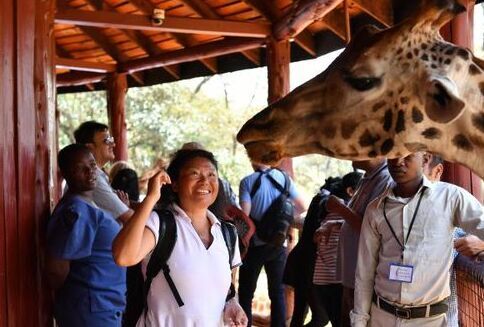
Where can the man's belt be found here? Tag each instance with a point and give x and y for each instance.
(411, 312)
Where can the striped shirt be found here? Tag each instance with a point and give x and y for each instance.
(327, 256)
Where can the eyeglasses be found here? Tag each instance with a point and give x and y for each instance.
(108, 140)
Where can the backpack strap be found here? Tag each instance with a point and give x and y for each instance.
(258, 181)
(158, 261)
(229, 232)
(284, 190)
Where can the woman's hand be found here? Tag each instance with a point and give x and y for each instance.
(156, 182)
(123, 196)
(234, 315)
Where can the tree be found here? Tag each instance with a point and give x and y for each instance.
(161, 118)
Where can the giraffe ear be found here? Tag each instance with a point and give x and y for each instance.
(443, 105)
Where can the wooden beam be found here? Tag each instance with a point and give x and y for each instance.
(335, 21)
(382, 11)
(147, 8)
(253, 55)
(201, 8)
(347, 20)
(304, 39)
(78, 78)
(278, 60)
(203, 26)
(263, 8)
(82, 65)
(138, 77)
(141, 40)
(198, 52)
(205, 11)
(116, 87)
(303, 14)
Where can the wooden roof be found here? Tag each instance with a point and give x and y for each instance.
(196, 38)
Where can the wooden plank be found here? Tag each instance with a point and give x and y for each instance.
(382, 10)
(26, 96)
(116, 87)
(9, 267)
(46, 187)
(171, 24)
(207, 50)
(25, 121)
(86, 66)
(78, 78)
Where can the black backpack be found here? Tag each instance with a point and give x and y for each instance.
(138, 287)
(274, 224)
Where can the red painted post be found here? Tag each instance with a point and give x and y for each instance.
(116, 93)
(27, 96)
(460, 32)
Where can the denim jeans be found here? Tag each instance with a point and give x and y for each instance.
(273, 259)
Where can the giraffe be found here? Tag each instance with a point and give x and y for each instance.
(390, 93)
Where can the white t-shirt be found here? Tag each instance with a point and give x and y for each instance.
(202, 277)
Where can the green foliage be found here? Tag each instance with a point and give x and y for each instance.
(161, 118)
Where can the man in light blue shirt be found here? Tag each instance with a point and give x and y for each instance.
(260, 253)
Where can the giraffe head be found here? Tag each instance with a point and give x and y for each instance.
(389, 93)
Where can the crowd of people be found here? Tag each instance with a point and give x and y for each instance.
(374, 249)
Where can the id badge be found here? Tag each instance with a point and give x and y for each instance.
(401, 273)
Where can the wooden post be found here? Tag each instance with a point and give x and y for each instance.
(459, 31)
(27, 136)
(116, 92)
(278, 61)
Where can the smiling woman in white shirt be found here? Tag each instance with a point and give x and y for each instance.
(199, 262)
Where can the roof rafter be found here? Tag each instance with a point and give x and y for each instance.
(82, 65)
(382, 11)
(205, 11)
(147, 8)
(335, 21)
(104, 42)
(304, 39)
(207, 50)
(78, 78)
(302, 14)
(174, 24)
(137, 37)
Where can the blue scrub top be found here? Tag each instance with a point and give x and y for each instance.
(83, 234)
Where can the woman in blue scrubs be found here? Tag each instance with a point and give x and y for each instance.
(90, 287)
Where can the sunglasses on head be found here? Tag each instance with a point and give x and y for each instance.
(108, 140)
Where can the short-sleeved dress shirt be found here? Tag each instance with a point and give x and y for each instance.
(202, 277)
(105, 198)
(83, 234)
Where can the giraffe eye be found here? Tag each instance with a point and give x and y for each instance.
(362, 83)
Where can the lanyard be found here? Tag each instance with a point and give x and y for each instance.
(411, 222)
